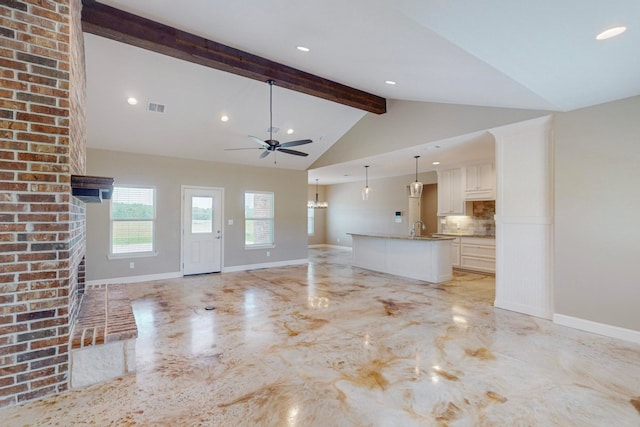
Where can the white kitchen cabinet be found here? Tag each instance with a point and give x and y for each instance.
(480, 182)
(422, 258)
(455, 249)
(478, 253)
(455, 252)
(451, 192)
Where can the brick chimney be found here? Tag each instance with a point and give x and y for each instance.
(42, 227)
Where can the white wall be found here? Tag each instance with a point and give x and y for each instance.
(168, 175)
(348, 213)
(597, 241)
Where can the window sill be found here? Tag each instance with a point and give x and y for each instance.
(253, 247)
(132, 255)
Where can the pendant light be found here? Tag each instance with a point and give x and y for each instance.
(366, 190)
(416, 187)
(315, 204)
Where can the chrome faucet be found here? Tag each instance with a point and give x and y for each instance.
(413, 228)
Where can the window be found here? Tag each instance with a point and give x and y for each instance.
(201, 215)
(133, 216)
(311, 221)
(258, 219)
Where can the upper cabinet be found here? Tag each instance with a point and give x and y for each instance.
(451, 192)
(480, 182)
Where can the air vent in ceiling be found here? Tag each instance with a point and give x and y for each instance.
(273, 129)
(155, 107)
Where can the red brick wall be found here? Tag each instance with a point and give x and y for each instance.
(41, 225)
(77, 92)
(78, 156)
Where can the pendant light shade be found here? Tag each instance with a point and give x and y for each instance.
(366, 190)
(315, 204)
(415, 188)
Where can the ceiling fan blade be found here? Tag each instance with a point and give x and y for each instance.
(259, 141)
(265, 154)
(294, 152)
(294, 143)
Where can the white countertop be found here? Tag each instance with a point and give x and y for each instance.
(402, 236)
(483, 236)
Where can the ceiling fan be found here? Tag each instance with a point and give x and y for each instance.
(272, 145)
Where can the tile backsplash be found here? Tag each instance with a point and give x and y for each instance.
(480, 222)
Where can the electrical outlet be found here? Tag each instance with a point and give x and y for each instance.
(132, 265)
(268, 253)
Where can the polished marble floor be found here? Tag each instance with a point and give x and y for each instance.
(331, 345)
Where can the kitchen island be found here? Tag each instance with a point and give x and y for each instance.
(420, 257)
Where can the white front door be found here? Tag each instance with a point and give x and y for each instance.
(201, 230)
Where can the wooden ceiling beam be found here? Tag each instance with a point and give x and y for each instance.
(116, 24)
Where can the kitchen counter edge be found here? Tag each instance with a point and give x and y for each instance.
(483, 236)
(403, 236)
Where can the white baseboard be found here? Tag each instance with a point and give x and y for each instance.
(136, 279)
(325, 245)
(522, 308)
(246, 267)
(598, 328)
(177, 274)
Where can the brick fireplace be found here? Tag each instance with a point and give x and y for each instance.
(42, 227)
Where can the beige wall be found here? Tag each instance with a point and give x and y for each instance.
(410, 123)
(597, 200)
(168, 175)
(348, 213)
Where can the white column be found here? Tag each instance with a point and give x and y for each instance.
(524, 217)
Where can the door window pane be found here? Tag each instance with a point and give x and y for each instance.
(201, 214)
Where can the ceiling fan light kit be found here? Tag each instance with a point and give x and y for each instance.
(271, 145)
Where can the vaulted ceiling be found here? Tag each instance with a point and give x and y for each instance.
(533, 55)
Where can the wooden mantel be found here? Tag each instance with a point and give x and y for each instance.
(91, 189)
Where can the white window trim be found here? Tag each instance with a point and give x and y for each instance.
(145, 254)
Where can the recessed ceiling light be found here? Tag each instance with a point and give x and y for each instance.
(611, 32)
(289, 131)
(224, 118)
(390, 82)
(435, 163)
(302, 48)
(132, 101)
